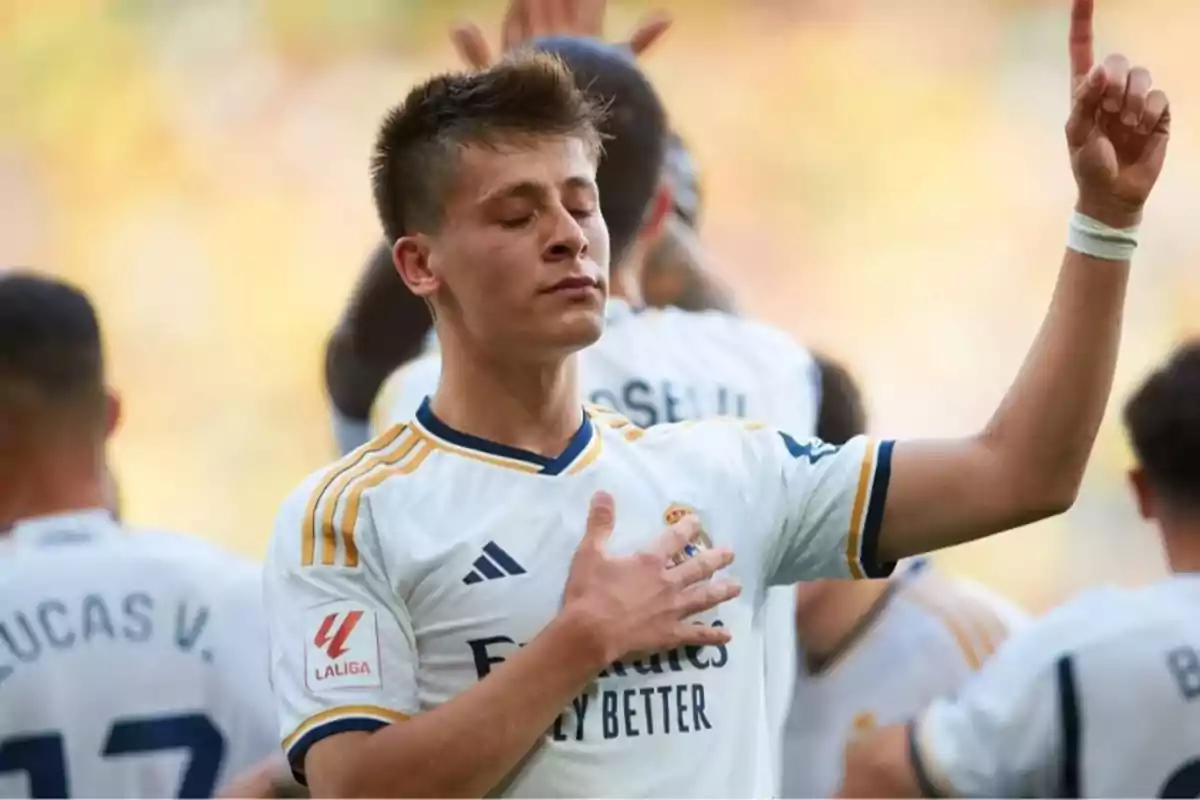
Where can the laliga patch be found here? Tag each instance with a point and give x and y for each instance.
(699, 542)
(342, 648)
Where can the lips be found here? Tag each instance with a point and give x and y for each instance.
(574, 284)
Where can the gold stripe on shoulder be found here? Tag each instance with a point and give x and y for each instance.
(308, 527)
(371, 480)
(589, 456)
(936, 604)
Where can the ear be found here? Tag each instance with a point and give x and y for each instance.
(410, 257)
(1143, 493)
(112, 412)
(660, 211)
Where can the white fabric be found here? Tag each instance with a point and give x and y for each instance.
(1118, 667)
(453, 552)
(125, 657)
(929, 637)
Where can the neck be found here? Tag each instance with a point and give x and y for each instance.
(533, 406)
(51, 482)
(828, 611)
(1182, 543)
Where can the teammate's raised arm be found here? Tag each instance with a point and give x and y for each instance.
(1028, 462)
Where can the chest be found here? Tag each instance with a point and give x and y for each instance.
(481, 576)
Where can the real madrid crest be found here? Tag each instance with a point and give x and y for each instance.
(700, 541)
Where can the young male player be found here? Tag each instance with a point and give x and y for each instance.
(132, 664)
(876, 652)
(1100, 697)
(659, 366)
(433, 579)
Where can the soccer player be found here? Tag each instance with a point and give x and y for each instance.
(132, 664)
(661, 366)
(439, 628)
(876, 652)
(1097, 698)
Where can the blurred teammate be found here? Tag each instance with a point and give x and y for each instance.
(1101, 697)
(437, 626)
(876, 652)
(132, 664)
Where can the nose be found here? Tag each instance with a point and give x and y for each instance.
(567, 240)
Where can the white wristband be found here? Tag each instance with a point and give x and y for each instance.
(1093, 238)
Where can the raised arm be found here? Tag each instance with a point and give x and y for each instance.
(1028, 462)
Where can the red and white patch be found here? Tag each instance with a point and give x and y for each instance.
(341, 648)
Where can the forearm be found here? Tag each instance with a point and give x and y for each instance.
(467, 746)
(384, 326)
(1043, 431)
(1029, 460)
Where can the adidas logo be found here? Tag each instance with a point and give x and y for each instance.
(493, 564)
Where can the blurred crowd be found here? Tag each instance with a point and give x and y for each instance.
(200, 167)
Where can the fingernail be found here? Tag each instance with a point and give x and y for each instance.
(1129, 119)
(1111, 106)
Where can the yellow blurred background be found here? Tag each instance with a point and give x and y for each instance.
(884, 179)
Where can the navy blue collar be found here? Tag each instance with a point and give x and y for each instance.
(545, 466)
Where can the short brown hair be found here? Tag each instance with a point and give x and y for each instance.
(528, 94)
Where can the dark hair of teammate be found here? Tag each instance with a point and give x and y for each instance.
(634, 132)
(51, 362)
(842, 414)
(419, 143)
(1163, 421)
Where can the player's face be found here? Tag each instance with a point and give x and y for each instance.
(521, 261)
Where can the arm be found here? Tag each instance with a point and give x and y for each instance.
(1002, 736)
(467, 746)
(1028, 461)
(383, 326)
(677, 273)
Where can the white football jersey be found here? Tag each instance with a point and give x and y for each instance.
(404, 573)
(132, 664)
(925, 635)
(667, 365)
(1099, 698)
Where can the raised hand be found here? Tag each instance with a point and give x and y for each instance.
(529, 19)
(640, 603)
(1118, 130)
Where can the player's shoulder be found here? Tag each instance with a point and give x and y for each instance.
(319, 520)
(976, 619)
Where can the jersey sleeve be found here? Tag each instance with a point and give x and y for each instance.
(1003, 734)
(342, 650)
(823, 505)
(405, 390)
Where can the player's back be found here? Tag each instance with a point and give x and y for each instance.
(1130, 696)
(132, 664)
(1099, 698)
(922, 638)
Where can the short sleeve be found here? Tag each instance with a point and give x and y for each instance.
(1002, 735)
(824, 505)
(342, 650)
(405, 390)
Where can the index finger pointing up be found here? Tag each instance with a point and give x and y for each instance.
(1079, 41)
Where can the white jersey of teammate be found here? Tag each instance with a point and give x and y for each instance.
(132, 664)
(1099, 698)
(403, 574)
(924, 637)
(667, 365)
